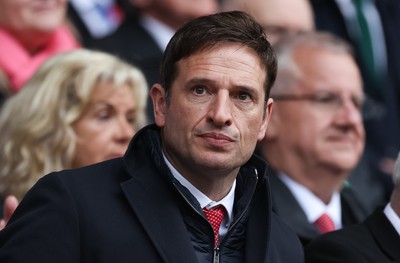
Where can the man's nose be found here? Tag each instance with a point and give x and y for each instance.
(349, 112)
(220, 109)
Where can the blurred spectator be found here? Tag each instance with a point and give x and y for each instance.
(142, 38)
(95, 19)
(315, 136)
(372, 29)
(377, 239)
(278, 17)
(30, 33)
(80, 108)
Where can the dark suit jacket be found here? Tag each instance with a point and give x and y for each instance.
(287, 207)
(129, 210)
(132, 43)
(374, 241)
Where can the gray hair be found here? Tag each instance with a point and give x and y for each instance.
(288, 70)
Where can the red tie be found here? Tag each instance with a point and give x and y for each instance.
(324, 224)
(215, 216)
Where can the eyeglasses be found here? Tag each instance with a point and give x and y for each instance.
(328, 100)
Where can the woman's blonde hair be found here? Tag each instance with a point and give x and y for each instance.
(36, 134)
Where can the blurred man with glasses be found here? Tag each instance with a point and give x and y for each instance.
(316, 135)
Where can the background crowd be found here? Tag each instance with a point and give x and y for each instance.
(75, 78)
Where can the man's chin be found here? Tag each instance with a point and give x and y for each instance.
(217, 163)
(344, 162)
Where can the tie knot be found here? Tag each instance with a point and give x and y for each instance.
(215, 216)
(324, 224)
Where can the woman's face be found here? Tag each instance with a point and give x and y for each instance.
(106, 127)
(39, 16)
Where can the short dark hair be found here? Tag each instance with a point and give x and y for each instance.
(207, 31)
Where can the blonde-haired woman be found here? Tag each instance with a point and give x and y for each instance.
(81, 107)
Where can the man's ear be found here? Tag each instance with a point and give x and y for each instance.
(267, 116)
(157, 94)
(273, 126)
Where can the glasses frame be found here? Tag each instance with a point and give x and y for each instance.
(367, 108)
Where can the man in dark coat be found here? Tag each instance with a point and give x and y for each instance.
(153, 204)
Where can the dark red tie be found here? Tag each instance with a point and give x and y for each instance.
(215, 216)
(324, 224)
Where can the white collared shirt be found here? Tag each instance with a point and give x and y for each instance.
(160, 32)
(312, 206)
(204, 201)
(392, 217)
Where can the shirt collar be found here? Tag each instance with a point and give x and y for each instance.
(203, 200)
(312, 206)
(392, 217)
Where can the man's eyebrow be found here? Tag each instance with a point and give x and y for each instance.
(210, 81)
(201, 81)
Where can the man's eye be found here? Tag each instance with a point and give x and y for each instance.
(358, 102)
(327, 98)
(199, 90)
(244, 96)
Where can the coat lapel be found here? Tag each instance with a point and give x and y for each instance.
(154, 205)
(287, 207)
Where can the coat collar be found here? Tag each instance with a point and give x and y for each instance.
(161, 218)
(153, 200)
(287, 207)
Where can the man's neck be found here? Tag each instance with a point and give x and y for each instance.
(212, 184)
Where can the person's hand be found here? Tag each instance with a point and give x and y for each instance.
(10, 204)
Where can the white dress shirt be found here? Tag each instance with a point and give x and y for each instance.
(393, 217)
(206, 202)
(312, 206)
